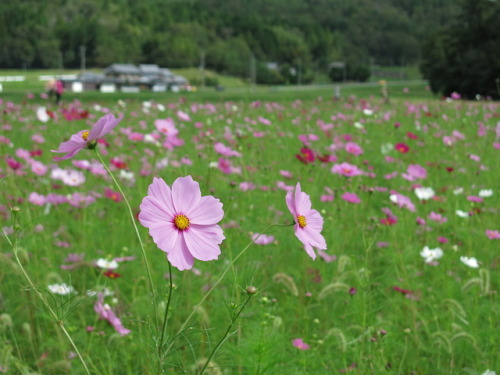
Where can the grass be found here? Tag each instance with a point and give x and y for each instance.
(441, 319)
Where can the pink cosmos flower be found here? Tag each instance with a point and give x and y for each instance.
(437, 217)
(38, 168)
(262, 239)
(166, 127)
(300, 344)
(415, 171)
(183, 116)
(104, 311)
(222, 149)
(493, 234)
(346, 169)
(308, 222)
(353, 148)
(87, 139)
(226, 167)
(402, 201)
(245, 186)
(475, 199)
(351, 197)
(182, 222)
(36, 199)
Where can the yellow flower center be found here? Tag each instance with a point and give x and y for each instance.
(302, 221)
(85, 135)
(181, 222)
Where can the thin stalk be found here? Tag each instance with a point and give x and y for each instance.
(131, 213)
(225, 336)
(165, 318)
(60, 322)
(230, 265)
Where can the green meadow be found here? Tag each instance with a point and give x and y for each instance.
(373, 302)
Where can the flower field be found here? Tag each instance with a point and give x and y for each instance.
(250, 237)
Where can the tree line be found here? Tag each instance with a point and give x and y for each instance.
(278, 41)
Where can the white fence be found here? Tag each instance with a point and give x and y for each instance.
(12, 78)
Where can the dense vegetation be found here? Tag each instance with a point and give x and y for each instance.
(231, 36)
(410, 200)
(465, 57)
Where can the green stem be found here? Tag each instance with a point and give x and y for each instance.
(224, 337)
(217, 283)
(131, 213)
(165, 318)
(42, 298)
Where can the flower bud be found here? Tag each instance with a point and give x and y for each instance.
(251, 290)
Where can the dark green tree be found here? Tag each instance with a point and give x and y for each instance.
(465, 57)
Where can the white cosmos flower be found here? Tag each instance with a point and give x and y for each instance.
(484, 193)
(160, 107)
(462, 213)
(62, 289)
(148, 138)
(42, 115)
(489, 372)
(106, 264)
(126, 175)
(458, 191)
(358, 125)
(386, 148)
(431, 254)
(470, 262)
(424, 193)
(368, 111)
(105, 291)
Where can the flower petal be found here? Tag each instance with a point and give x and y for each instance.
(180, 257)
(290, 202)
(209, 211)
(103, 126)
(162, 192)
(165, 236)
(70, 147)
(305, 239)
(314, 220)
(203, 243)
(315, 238)
(153, 211)
(185, 195)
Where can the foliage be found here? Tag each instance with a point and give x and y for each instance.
(377, 308)
(465, 57)
(309, 34)
(360, 73)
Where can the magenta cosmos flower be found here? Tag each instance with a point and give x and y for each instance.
(308, 222)
(87, 139)
(182, 222)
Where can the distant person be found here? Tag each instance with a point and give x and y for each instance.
(59, 90)
(51, 88)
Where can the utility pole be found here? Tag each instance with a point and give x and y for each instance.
(61, 66)
(202, 68)
(299, 72)
(82, 59)
(253, 71)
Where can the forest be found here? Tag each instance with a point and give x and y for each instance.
(228, 36)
